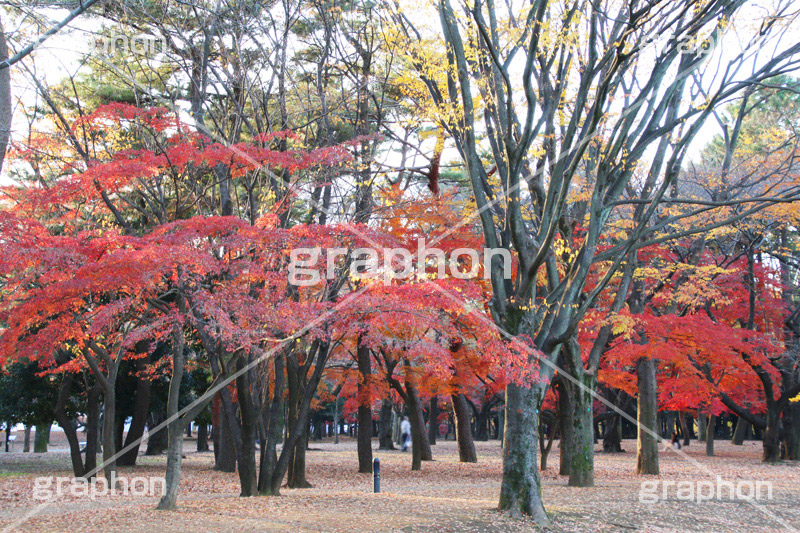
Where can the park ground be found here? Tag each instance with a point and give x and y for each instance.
(445, 496)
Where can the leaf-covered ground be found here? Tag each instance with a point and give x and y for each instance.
(444, 496)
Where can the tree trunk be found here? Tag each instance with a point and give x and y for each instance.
(156, 440)
(581, 473)
(246, 456)
(741, 432)
(702, 426)
(92, 430)
(791, 431)
(41, 438)
(273, 425)
(684, 428)
(364, 410)
(26, 446)
(770, 438)
(226, 458)
(612, 435)
(385, 426)
(433, 422)
(420, 447)
(712, 421)
(67, 425)
(141, 410)
(461, 414)
(520, 488)
(297, 464)
(202, 438)
(566, 412)
(175, 427)
(5, 98)
(647, 417)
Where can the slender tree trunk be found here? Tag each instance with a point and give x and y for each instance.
(175, 427)
(156, 440)
(647, 416)
(433, 422)
(26, 446)
(741, 432)
(712, 421)
(385, 426)
(420, 447)
(141, 410)
(92, 430)
(461, 414)
(364, 410)
(5, 98)
(519, 491)
(566, 413)
(684, 428)
(67, 425)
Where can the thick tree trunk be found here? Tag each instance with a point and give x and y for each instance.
(433, 422)
(771, 437)
(646, 417)
(364, 410)
(226, 457)
(41, 438)
(702, 426)
(612, 435)
(791, 431)
(385, 426)
(581, 472)
(109, 432)
(246, 456)
(461, 414)
(741, 432)
(273, 425)
(712, 421)
(520, 488)
(297, 464)
(202, 438)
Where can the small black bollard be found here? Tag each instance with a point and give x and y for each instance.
(376, 475)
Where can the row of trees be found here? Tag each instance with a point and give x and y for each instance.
(159, 202)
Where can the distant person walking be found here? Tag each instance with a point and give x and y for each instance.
(405, 432)
(676, 441)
